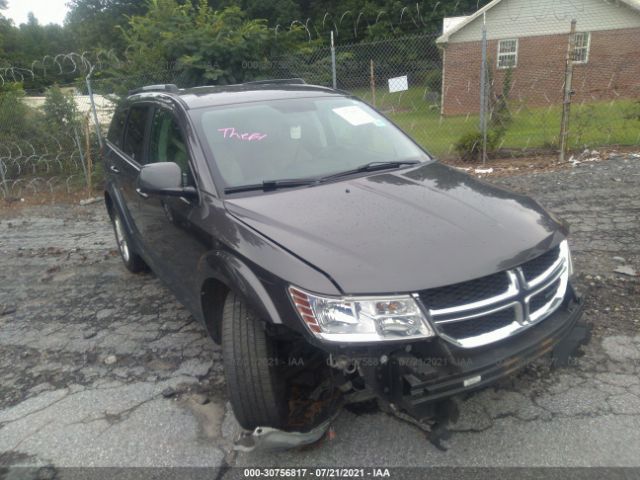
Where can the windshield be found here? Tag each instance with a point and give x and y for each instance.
(300, 139)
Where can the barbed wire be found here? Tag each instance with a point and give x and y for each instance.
(439, 111)
(60, 65)
(25, 166)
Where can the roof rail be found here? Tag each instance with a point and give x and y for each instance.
(278, 81)
(168, 87)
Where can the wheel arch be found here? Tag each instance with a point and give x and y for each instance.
(228, 273)
(213, 293)
(108, 201)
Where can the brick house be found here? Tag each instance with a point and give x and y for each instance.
(530, 38)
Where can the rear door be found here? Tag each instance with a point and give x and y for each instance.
(113, 156)
(133, 157)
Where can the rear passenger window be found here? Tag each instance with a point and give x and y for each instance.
(117, 127)
(134, 136)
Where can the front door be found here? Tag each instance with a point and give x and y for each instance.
(167, 223)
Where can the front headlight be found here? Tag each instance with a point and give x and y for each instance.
(361, 319)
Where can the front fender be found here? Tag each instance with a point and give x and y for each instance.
(237, 276)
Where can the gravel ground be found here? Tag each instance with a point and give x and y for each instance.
(102, 368)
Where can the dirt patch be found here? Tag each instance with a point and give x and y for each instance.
(612, 304)
(12, 204)
(539, 163)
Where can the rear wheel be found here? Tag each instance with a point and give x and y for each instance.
(131, 260)
(255, 379)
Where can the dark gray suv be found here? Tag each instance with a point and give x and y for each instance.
(328, 252)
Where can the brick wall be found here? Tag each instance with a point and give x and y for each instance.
(613, 71)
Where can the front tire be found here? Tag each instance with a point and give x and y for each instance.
(132, 261)
(255, 381)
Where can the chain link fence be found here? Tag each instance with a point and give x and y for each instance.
(485, 88)
(45, 141)
(433, 87)
(48, 136)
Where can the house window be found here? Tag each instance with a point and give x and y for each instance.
(581, 52)
(507, 54)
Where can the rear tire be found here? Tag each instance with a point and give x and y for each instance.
(131, 260)
(255, 380)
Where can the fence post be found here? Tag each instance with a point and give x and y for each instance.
(373, 83)
(3, 178)
(333, 61)
(568, 93)
(484, 97)
(88, 159)
(81, 153)
(93, 107)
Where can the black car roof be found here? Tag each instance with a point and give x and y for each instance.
(211, 96)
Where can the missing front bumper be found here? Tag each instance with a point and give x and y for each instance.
(414, 381)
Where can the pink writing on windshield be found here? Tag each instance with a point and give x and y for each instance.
(231, 132)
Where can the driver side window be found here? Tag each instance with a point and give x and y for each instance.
(167, 144)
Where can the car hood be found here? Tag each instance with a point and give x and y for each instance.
(403, 231)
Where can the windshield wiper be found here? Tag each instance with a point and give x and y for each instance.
(270, 185)
(370, 167)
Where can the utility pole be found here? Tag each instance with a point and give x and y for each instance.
(568, 93)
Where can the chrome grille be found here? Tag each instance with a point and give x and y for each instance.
(536, 267)
(475, 327)
(467, 292)
(539, 300)
(490, 309)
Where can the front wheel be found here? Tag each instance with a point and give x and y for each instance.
(131, 260)
(255, 380)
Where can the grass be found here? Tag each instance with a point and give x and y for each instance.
(596, 124)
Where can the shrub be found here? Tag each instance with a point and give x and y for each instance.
(500, 116)
(433, 80)
(634, 112)
(60, 110)
(17, 120)
(469, 147)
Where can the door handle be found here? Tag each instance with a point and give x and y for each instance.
(141, 193)
(114, 169)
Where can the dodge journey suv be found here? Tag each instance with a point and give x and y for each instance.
(327, 252)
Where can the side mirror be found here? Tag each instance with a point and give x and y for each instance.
(163, 178)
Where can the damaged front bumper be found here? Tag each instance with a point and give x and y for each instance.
(413, 379)
(273, 439)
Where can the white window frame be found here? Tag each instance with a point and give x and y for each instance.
(586, 48)
(502, 55)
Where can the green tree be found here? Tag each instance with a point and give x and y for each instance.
(358, 20)
(97, 23)
(275, 12)
(202, 45)
(30, 42)
(34, 40)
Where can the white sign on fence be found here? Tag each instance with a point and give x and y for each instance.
(398, 84)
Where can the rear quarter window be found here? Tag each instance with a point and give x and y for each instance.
(117, 127)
